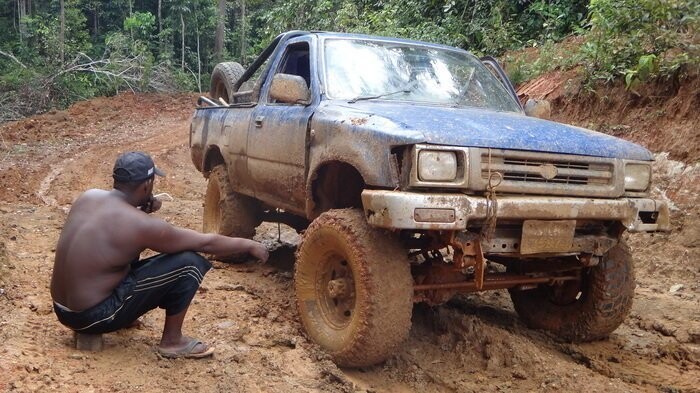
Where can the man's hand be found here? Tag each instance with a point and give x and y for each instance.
(153, 205)
(156, 204)
(260, 252)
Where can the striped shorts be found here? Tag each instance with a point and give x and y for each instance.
(168, 281)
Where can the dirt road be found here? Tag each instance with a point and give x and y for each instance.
(474, 343)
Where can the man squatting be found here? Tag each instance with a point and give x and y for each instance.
(99, 285)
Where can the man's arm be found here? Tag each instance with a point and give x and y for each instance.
(160, 236)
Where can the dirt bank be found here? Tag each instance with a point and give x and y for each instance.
(663, 115)
(475, 343)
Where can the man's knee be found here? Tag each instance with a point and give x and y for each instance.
(191, 258)
(182, 291)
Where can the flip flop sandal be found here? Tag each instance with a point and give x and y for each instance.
(186, 352)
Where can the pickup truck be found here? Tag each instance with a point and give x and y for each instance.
(414, 174)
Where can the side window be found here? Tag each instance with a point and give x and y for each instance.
(296, 62)
(255, 81)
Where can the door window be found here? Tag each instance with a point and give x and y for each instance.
(295, 62)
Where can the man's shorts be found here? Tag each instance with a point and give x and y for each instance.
(168, 281)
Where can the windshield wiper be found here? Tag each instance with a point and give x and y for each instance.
(361, 98)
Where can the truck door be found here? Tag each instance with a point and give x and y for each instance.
(277, 136)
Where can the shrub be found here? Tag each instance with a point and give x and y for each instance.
(627, 37)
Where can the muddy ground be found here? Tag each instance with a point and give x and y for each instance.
(474, 343)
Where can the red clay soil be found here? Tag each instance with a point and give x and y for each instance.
(475, 343)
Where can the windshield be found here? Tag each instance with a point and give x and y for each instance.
(361, 69)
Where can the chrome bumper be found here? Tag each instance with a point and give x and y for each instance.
(411, 210)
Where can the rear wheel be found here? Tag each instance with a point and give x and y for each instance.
(584, 310)
(354, 288)
(227, 212)
(223, 79)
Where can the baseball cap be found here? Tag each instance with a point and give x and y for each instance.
(134, 166)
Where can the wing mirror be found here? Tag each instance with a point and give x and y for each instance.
(538, 108)
(290, 89)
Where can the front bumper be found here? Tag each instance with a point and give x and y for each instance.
(412, 210)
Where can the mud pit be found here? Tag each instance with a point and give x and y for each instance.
(474, 343)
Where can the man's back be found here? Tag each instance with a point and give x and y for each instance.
(94, 250)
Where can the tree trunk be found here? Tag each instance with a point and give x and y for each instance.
(220, 31)
(131, 6)
(243, 27)
(21, 14)
(62, 33)
(182, 47)
(96, 19)
(160, 28)
(199, 63)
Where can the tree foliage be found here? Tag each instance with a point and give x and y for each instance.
(640, 38)
(173, 42)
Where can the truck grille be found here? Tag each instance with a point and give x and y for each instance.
(550, 174)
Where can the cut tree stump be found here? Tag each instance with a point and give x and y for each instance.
(87, 342)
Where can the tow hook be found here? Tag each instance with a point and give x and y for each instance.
(468, 253)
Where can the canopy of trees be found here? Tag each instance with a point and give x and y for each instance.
(53, 52)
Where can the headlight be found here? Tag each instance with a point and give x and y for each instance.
(637, 177)
(434, 165)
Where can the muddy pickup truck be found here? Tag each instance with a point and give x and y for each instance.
(414, 174)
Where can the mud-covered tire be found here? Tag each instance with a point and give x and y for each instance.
(223, 79)
(379, 278)
(604, 300)
(227, 212)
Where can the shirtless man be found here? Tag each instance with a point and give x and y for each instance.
(99, 285)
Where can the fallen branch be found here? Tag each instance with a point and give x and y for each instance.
(129, 71)
(10, 108)
(11, 56)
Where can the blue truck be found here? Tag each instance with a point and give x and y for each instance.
(414, 174)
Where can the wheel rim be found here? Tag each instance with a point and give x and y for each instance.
(220, 91)
(212, 215)
(565, 293)
(335, 291)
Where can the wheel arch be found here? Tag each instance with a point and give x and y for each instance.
(323, 188)
(212, 158)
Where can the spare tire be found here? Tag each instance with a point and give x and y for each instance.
(223, 79)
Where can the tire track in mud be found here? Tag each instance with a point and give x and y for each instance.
(668, 367)
(46, 183)
(681, 375)
(92, 166)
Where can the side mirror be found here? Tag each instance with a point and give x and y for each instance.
(538, 108)
(290, 89)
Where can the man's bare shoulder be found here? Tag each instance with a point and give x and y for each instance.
(91, 195)
(106, 205)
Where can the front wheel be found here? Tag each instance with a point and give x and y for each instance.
(584, 310)
(354, 288)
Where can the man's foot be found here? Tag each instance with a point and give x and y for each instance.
(189, 348)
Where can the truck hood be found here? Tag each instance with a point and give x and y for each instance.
(485, 128)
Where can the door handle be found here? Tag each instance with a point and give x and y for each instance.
(259, 121)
